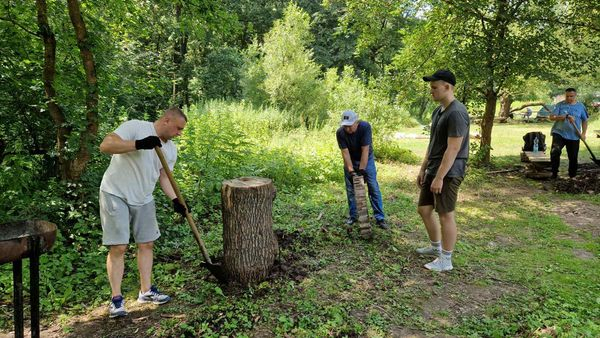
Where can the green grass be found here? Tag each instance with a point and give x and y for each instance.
(516, 274)
(507, 140)
(516, 271)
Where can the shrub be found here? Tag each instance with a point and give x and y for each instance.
(291, 75)
(221, 73)
(346, 91)
(389, 150)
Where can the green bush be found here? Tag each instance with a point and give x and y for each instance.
(253, 76)
(346, 91)
(221, 73)
(228, 140)
(389, 150)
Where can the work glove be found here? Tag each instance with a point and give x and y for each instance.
(179, 207)
(148, 143)
(362, 172)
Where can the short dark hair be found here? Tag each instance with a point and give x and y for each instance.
(571, 89)
(174, 110)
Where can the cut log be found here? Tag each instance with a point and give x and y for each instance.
(249, 243)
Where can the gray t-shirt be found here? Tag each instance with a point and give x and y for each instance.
(133, 175)
(450, 122)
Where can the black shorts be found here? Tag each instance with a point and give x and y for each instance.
(444, 202)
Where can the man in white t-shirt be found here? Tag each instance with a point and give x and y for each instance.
(126, 199)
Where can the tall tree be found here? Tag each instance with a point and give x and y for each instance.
(78, 163)
(291, 75)
(63, 130)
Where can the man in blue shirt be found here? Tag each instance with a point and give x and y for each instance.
(355, 140)
(565, 114)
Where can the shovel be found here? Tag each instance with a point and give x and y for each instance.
(215, 269)
(586, 145)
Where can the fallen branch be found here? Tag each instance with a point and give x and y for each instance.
(528, 105)
(503, 171)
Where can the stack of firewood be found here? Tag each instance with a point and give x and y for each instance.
(361, 207)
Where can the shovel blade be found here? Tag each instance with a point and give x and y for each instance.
(217, 271)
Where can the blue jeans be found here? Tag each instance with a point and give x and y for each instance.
(373, 187)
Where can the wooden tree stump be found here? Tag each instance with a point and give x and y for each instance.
(249, 243)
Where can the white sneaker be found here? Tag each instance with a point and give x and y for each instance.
(117, 307)
(429, 251)
(153, 296)
(440, 264)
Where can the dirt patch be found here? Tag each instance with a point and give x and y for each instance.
(452, 302)
(97, 324)
(586, 182)
(292, 262)
(583, 254)
(580, 215)
(410, 333)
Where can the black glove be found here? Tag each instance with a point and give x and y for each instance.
(352, 173)
(180, 208)
(362, 172)
(148, 143)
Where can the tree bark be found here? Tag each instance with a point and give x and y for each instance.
(79, 163)
(249, 243)
(58, 117)
(181, 78)
(505, 103)
(487, 123)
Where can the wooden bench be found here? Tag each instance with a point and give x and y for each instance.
(537, 164)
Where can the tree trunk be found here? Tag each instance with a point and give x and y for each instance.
(181, 78)
(505, 103)
(69, 169)
(58, 117)
(249, 243)
(487, 123)
(79, 163)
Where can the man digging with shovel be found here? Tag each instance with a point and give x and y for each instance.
(569, 117)
(126, 199)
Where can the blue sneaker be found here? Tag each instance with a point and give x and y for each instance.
(153, 296)
(117, 307)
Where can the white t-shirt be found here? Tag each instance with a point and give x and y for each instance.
(133, 175)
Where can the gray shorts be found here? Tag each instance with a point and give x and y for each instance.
(117, 216)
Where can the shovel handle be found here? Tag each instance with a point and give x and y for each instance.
(188, 216)
(584, 142)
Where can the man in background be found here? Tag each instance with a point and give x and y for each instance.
(567, 115)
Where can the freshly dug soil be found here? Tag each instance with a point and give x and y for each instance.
(587, 181)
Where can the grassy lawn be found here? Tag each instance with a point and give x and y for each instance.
(527, 264)
(507, 140)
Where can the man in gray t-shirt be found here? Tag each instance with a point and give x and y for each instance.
(443, 169)
(126, 200)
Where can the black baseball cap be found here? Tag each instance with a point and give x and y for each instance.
(442, 74)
